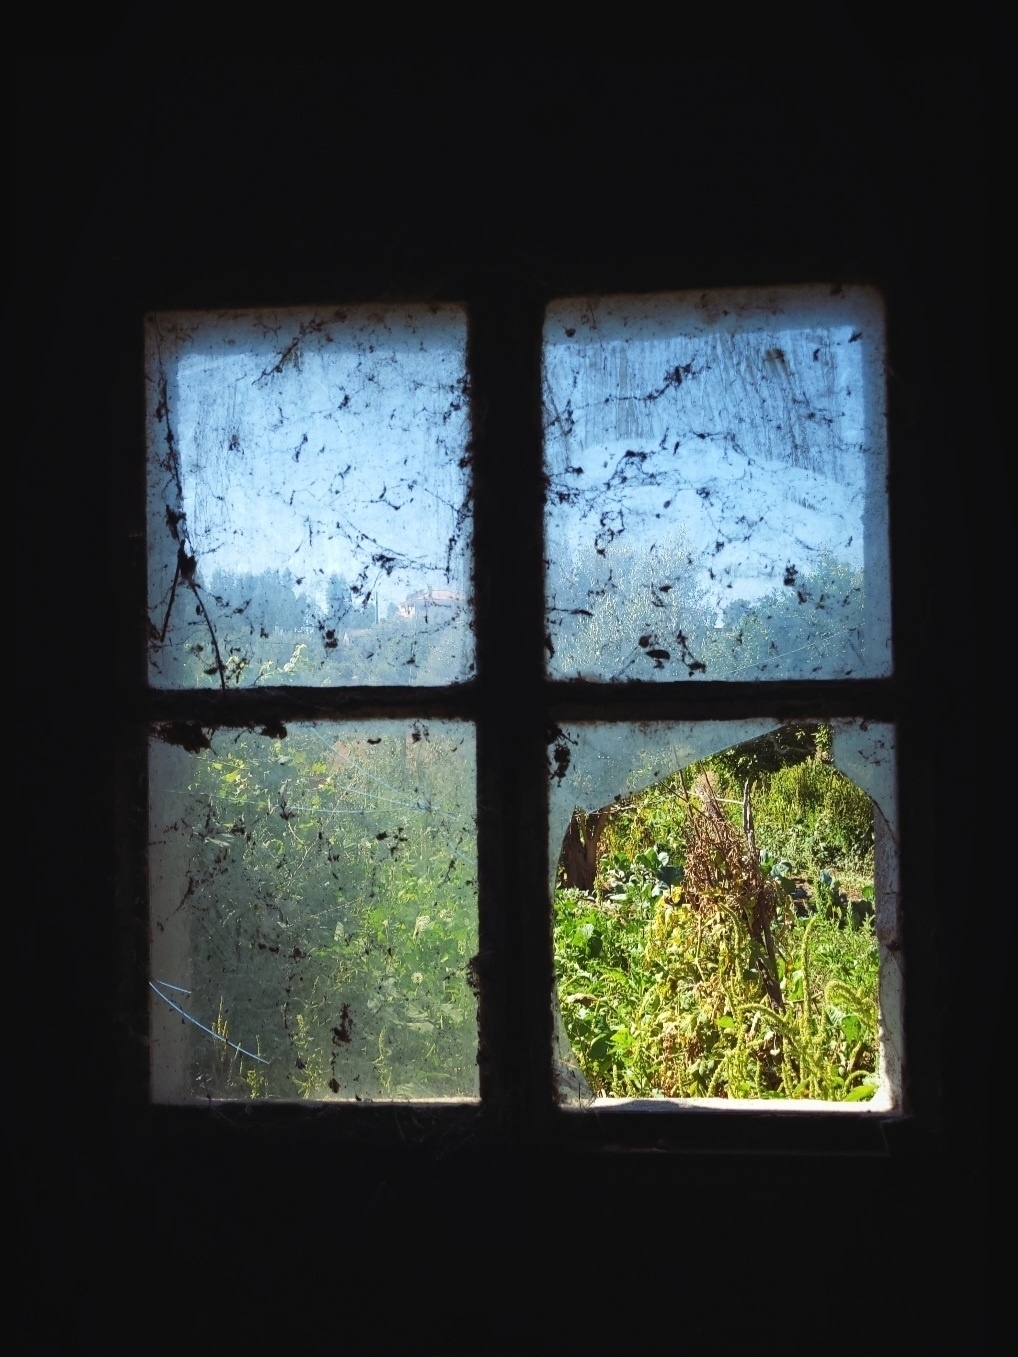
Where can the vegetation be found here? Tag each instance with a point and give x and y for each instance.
(244, 630)
(330, 911)
(713, 934)
(620, 613)
(727, 948)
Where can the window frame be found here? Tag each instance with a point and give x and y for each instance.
(514, 969)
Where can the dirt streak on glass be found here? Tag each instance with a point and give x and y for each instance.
(307, 498)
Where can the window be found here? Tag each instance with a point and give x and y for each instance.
(184, 174)
(341, 564)
(718, 511)
(313, 883)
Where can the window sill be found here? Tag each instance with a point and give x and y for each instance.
(719, 1126)
(734, 1107)
(679, 1126)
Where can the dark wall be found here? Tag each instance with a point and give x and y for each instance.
(202, 169)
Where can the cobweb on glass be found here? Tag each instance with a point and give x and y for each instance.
(308, 517)
(314, 913)
(717, 486)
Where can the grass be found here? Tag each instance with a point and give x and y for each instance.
(727, 948)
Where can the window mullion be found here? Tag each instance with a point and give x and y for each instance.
(514, 965)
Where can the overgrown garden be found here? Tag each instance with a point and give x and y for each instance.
(713, 933)
(328, 901)
(725, 946)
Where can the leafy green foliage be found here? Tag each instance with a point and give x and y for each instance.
(702, 965)
(812, 814)
(332, 912)
(784, 747)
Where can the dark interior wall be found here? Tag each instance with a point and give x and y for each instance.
(192, 170)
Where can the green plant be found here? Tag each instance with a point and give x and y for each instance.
(331, 899)
(809, 812)
(703, 966)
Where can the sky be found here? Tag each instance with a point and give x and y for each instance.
(754, 445)
(747, 427)
(317, 446)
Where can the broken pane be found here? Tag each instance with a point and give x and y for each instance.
(313, 909)
(717, 500)
(307, 498)
(726, 913)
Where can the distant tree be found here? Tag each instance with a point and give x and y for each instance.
(257, 605)
(620, 612)
(812, 624)
(338, 602)
(780, 748)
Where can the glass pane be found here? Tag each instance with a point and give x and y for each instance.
(726, 915)
(313, 911)
(307, 501)
(717, 486)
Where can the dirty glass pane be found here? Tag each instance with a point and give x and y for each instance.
(313, 909)
(725, 902)
(307, 498)
(717, 486)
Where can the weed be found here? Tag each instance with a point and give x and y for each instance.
(701, 965)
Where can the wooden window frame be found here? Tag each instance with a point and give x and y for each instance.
(514, 963)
